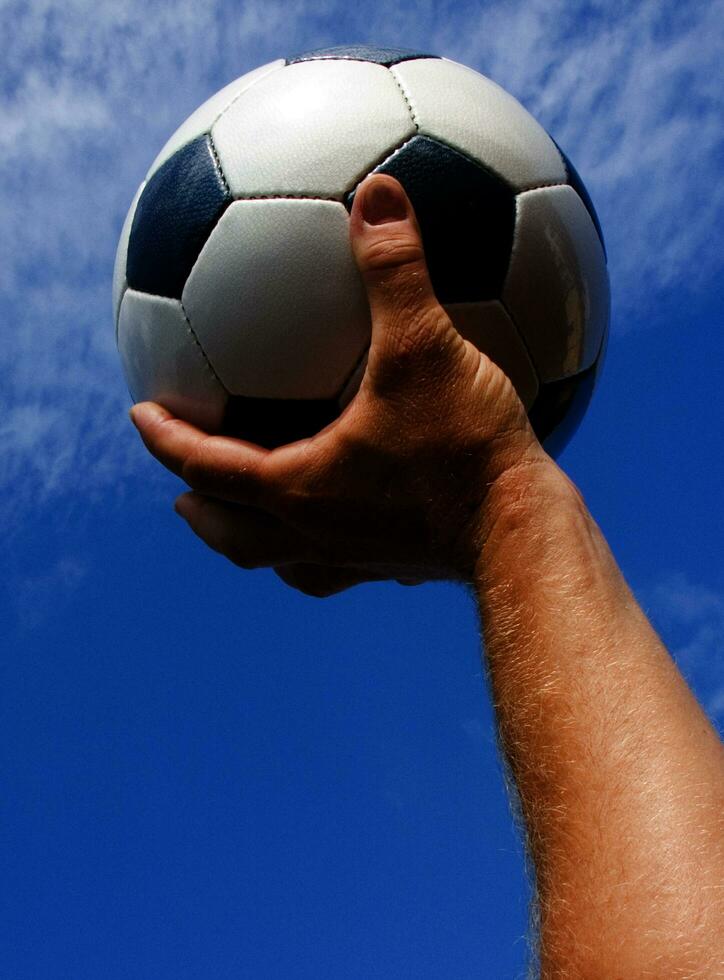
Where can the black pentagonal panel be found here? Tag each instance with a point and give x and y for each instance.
(574, 179)
(179, 206)
(466, 215)
(273, 422)
(560, 406)
(361, 52)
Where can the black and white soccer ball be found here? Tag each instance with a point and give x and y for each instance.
(236, 298)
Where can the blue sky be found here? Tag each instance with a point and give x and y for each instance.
(203, 773)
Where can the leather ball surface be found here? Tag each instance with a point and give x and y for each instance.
(236, 299)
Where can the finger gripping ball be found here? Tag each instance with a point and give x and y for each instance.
(236, 298)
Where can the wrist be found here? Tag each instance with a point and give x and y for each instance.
(525, 500)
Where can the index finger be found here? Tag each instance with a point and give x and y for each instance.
(218, 465)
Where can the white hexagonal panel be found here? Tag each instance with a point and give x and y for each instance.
(490, 329)
(203, 118)
(163, 362)
(276, 300)
(464, 108)
(313, 129)
(119, 266)
(557, 288)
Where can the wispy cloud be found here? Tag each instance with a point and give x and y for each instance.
(690, 618)
(88, 95)
(39, 596)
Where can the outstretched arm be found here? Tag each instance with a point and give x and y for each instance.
(619, 774)
(433, 471)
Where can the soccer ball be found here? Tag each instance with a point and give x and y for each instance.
(236, 298)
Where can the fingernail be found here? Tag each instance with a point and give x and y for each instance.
(383, 201)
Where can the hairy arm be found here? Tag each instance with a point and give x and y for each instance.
(433, 471)
(619, 774)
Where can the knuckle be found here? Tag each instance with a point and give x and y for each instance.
(164, 424)
(197, 468)
(383, 254)
(209, 467)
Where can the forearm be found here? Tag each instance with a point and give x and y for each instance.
(619, 773)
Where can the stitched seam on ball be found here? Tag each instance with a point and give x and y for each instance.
(208, 363)
(402, 89)
(513, 250)
(389, 154)
(286, 196)
(117, 311)
(511, 258)
(540, 187)
(523, 342)
(243, 91)
(218, 165)
(350, 375)
(137, 198)
(513, 245)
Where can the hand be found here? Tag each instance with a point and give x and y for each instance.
(397, 486)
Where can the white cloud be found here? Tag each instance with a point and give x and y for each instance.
(690, 619)
(35, 598)
(89, 93)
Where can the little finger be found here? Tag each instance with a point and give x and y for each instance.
(248, 537)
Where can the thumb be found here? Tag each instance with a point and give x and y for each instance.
(409, 326)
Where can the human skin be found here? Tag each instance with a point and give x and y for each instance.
(433, 472)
